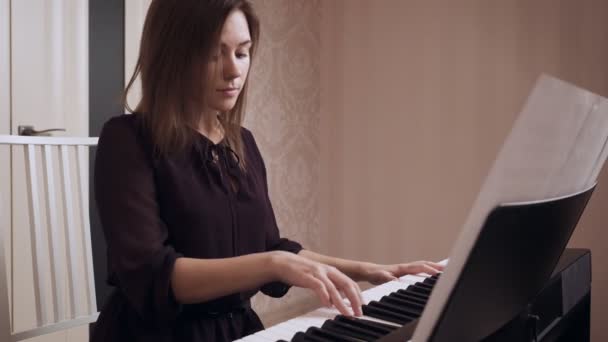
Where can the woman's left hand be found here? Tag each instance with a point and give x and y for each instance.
(378, 274)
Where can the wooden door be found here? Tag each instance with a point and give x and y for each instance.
(44, 83)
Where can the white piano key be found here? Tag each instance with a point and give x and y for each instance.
(283, 327)
(297, 325)
(327, 313)
(274, 335)
(394, 286)
(266, 335)
(303, 322)
(272, 331)
(404, 282)
(256, 338)
(412, 278)
(310, 321)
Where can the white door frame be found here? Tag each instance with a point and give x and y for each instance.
(5, 156)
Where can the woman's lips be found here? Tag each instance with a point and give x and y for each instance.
(229, 92)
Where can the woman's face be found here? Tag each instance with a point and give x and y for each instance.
(229, 63)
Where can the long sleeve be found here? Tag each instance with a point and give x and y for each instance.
(274, 241)
(140, 259)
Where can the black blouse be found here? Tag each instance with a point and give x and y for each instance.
(198, 204)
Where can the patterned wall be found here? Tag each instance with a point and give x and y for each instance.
(284, 115)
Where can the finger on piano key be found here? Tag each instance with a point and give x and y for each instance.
(316, 318)
(375, 294)
(443, 263)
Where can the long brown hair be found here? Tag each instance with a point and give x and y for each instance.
(176, 45)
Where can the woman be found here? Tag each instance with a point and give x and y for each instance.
(183, 198)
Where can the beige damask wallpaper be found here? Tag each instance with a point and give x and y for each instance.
(284, 115)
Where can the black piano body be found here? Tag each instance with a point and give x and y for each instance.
(518, 283)
(560, 312)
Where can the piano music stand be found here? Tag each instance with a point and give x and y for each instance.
(512, 259)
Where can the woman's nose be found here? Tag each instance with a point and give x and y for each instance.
(231, 69)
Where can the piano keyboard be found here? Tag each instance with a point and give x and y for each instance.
(386, 308)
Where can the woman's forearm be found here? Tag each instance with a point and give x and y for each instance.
(353, 269)
(200, 280)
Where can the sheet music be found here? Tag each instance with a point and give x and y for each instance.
(556, 147)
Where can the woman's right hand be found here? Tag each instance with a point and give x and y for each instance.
(326, 281)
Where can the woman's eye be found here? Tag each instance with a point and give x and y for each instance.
(242, 55)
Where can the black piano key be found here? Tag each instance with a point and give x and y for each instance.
(302, 337)
(430, 281)
(329, 335)
(413, 307)
(419, 289)
(352, 331)
(298, 337)
(344, 329)
(426, 286)
(408, 297)
(414, 297)
(412, 302)
(387, 315)
(396, 309)
(375, 327)
(410, 290)
(360, 324)
(418, 295)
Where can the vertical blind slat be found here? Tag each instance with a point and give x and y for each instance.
(58, 273)
(86, 236)
(72, 253)
(40, 274)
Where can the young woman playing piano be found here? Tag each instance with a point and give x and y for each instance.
(182, 193)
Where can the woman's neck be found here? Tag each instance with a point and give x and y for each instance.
(211, 127)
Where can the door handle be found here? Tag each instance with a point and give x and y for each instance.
(29, 130)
